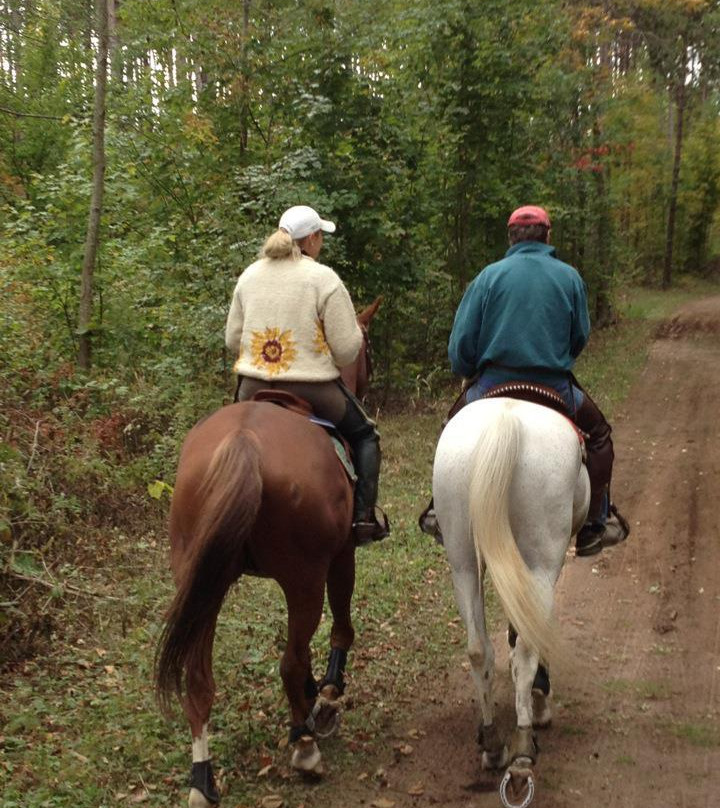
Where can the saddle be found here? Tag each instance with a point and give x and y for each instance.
(522, 390)
(532, 392)
(288, 401)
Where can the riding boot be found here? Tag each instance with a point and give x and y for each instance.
(359, 431)
(604, 525)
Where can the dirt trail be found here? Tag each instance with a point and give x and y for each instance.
(637, 723)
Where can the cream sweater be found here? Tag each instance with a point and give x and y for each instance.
(291, 320)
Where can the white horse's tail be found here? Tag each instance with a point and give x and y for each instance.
(496, 456)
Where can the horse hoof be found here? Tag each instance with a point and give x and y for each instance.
(197, 800)
(517, 788)
(496, 759)
(542, 709)
(306, 756)
(327, 716)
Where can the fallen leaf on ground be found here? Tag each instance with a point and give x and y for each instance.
(272, 801)
(416, 790)
(383, 803)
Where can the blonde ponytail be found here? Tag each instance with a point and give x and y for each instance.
(280, 245)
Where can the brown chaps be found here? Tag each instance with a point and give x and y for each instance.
(600, 454)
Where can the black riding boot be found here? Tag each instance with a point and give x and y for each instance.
(359, 431)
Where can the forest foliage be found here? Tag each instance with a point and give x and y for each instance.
(415, 125)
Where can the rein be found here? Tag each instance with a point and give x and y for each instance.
(368, 352)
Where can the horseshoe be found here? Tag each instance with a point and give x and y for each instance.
(530, 783)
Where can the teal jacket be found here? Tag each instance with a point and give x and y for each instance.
(527, 311)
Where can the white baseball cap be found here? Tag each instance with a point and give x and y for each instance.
(301, 220)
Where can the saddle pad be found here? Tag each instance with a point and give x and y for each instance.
(343, 457)
(341, 449)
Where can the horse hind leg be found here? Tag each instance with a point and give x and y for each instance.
(541, 691)
(470, 599)
(200, 687)
(517, 787)
(304, 601)
(340, 585)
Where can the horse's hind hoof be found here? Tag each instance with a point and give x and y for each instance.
(306, 757)
(497, 759)
(542, 709)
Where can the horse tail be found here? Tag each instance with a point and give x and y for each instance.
(496, 457)
(230, 494)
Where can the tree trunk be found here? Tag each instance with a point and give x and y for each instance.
(672, 212)
(98, 187)
(116, 55)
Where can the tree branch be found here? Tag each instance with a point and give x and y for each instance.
(62, 586)
(29, 114)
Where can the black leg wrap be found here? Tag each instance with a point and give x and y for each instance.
(311, 689)
(202, 779)
(542, 680)
(298, 731)
(335, 670)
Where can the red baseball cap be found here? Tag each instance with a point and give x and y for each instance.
(529, 214)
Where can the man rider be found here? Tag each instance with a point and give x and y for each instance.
(525, 318)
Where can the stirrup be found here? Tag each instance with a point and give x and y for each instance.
(617, 528)
(370, 528)
(588, 541)
(429, 524)
(592, 538)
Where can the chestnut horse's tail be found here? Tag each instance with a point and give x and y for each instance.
(230, 494)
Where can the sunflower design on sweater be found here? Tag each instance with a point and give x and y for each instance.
(272, 350)
(320, 342)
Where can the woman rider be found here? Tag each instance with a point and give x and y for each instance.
(292, 326)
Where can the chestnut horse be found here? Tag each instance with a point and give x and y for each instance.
(256, 481)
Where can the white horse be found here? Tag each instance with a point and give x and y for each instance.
(510, 491)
